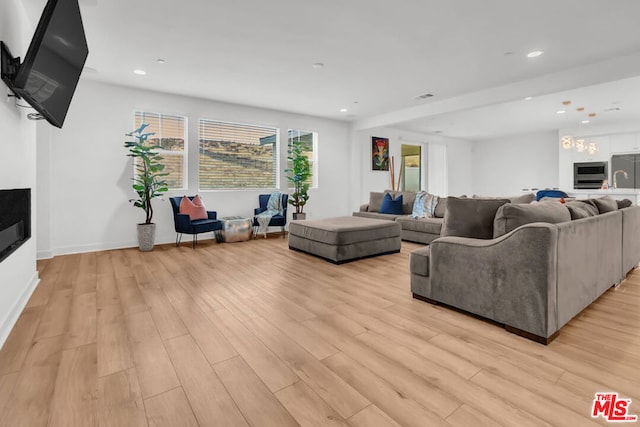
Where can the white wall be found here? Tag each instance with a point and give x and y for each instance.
(90, 173)
(448, 163)
(18, 275)
(506, 166)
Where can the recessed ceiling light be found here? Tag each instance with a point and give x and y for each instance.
(343, 110)
(424, 96)
(560, 112)
(161, 61)
(140, 72)
(585, 122)
(317, 65)
(528, 98)
(534, 54)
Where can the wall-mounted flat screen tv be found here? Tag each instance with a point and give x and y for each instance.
(48, 77)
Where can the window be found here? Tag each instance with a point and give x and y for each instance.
(310, 143)
(236, 156)
(411, 167)
(170, 135)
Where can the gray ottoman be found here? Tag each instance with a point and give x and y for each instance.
(345, 238)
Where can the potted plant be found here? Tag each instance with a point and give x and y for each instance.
(148, 182)
(298, 175)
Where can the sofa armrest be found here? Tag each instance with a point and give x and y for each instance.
(256, 211)
(511, 279)
(364, 208)
(212, 214)
(630, 238)
(183, 222)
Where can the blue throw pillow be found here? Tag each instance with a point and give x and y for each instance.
(391, 206)
(550, 193)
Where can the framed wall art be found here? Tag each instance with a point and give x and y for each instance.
(379, 153)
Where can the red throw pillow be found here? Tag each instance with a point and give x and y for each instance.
(197, 201)
(195, 209)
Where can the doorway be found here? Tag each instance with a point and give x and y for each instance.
(411, 167)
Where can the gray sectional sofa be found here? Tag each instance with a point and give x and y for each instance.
(538, 275)
(422, 230)
(418, 230)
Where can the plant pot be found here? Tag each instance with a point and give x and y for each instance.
(299, 216)
(146, 236)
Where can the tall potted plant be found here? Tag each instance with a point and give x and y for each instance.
(148, 182)
(298, 175)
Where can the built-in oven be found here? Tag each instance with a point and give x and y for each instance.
(589, 175)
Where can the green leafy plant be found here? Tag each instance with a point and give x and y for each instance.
(298, 175)
(148, 180)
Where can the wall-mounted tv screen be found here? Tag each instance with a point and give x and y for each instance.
(48, 77)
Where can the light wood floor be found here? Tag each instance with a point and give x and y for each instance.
(254, 334)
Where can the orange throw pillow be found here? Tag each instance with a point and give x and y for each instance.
(195, 209)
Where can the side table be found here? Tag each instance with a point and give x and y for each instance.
(235, 229)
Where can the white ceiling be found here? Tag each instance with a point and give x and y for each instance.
(614, 103)
(378, 53)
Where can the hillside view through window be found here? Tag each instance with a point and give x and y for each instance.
(234, 156)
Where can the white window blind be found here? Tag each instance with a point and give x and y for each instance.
(234, 156)
(170, 134)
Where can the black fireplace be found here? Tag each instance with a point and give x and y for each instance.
(15, 220)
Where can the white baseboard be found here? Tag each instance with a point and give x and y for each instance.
(68, 250)
(44, 255)
(12, 317)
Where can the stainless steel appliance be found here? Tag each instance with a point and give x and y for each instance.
(589, 175)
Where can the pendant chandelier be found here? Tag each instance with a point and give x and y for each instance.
(580, 145)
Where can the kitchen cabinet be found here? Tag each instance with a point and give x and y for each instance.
(629, 163)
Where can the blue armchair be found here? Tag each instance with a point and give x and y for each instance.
(276, 220)
(183, 223)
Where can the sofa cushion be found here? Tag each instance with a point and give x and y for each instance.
(524, 199)
(391, 205)
(471, 217)
(430, 205)
(408, 199)
(375, 201)
(376, 215)
(419, 261)
(513, 215)
(589, 208)
(606, 204)
(625, 203)
(421, 225)
(344, 230)
(441, 208)
(577, 212)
